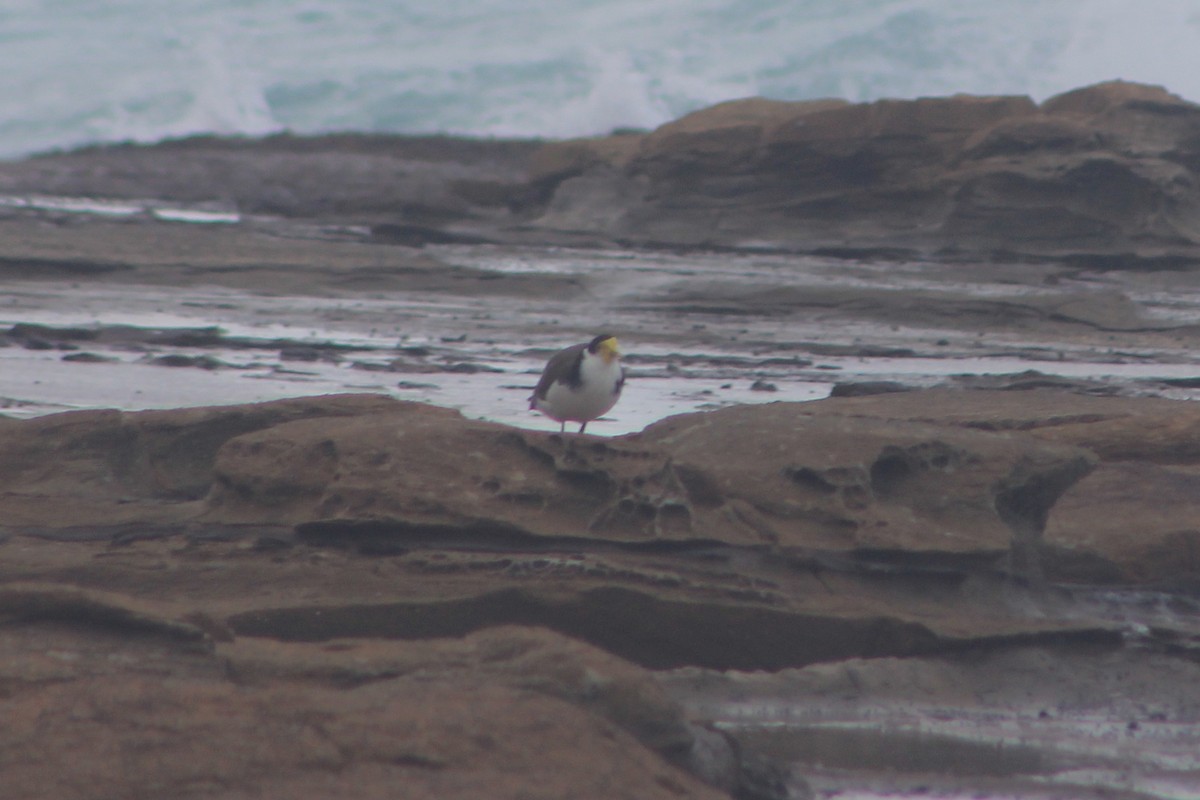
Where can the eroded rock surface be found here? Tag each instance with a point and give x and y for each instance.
(842, 485)
(306, 567)
(501, 714)
(945, 474)
(1102, 175)
(1132, 519)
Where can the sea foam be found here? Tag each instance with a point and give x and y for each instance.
(142, 70)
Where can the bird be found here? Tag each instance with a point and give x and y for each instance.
(580, 382)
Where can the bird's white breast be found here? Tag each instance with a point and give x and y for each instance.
(595, 395)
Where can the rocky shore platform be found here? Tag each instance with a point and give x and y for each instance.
(903, 498)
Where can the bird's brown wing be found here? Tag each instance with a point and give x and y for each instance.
(562, 366)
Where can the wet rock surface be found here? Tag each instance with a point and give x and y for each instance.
(399, 572)
(489, 715)
(1103, 175)
(295, 534)
(959, 176)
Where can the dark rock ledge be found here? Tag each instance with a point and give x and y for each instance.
(1103, 176)
(352, 588)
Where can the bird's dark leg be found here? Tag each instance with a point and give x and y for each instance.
(582, 426)
(562, 427)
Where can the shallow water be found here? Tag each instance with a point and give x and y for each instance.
(1028, 723)
(482, 354)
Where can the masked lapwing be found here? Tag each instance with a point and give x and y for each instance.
(581, 382)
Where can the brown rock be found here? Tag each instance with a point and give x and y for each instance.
(469, 525)
(34, 602)
(519, 658)
(136, 737)
(1134, 518)
(477, 525)
(783, 480)
(1129, 522)
(142, 710)
(1105, 171)
(1066, 313)
(382, 636)
(105, 469)
(890, 477)
(728, 133)
(363, 177)
(557, 161)
(863, 484)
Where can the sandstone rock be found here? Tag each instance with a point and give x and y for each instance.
(519, 658)
(1129, 522)
(1134, 518)
(865, 485)
(390, 475)
(140, 737)
(462, 509)
(556, 161)
(923, 486)
(367, 178)
(1062, 314)
(783, 481)
(142, 710)
(1104, 172)
(377, 474)
(365, 592)
(33, 602)
(103, 469)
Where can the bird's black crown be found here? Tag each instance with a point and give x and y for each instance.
(595, 343)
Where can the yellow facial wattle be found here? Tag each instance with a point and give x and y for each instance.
(608, 349)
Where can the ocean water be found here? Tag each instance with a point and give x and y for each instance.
(74, 72)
